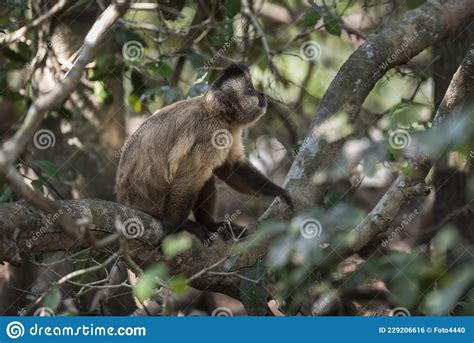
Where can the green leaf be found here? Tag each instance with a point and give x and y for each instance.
(102, 93)
(254, 296)
(53, 299)
(7, 194)
(17, 4)
(198, 89)
(176, 244)
(135, 103)
(332, 25)
(159, 68)
(179, 285)
(309, 20)
(148, 281)
(441, 301)
(232, 7)
(8, 26)
(198, 60)
(124, 35)
(47, 168)
(138, 82)
(230, 262)
(105, 66)
(37, 186)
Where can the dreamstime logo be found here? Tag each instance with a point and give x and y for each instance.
(44, 312)
(222, 312)
(319, 307)
(222, 139)
(393, 57)
(310, 50)
(226, 225)
(44, 139)
(400, 312)
(307, 143)
(132, 228)
(133, 51)
(399, 139)
(406, 219)
(133, 138)
(48, 222)
(310, 228)
(227, 44)
(15, 330)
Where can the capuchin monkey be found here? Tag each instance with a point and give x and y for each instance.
(168, 166)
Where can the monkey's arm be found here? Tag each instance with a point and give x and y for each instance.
(245, 178)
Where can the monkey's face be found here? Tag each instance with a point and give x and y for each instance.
(238, 98)
(253, 103)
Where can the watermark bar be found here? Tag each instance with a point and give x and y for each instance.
(237, 329)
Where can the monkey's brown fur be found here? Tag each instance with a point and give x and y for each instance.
(168, 165)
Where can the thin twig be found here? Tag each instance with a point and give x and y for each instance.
(21, 32)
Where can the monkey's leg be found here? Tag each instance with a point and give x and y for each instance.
(204, 213)
(178, 204)
(205, 204)
(245, 178)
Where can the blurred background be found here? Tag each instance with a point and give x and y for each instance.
(165, 51)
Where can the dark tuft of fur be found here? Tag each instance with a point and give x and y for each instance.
(232, 71)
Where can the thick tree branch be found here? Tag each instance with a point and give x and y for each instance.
(394, 45)
(407, 186)
(24, 229)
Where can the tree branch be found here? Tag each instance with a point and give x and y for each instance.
(13, 147)
(21, 32)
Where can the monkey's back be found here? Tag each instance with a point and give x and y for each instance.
(171, 150)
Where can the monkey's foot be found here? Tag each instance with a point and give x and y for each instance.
(227, 230)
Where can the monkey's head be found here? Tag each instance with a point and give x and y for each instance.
(234, 96)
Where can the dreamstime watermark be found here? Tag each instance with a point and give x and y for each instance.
(307, 143)
(407, 219)
(319, 307)
(310, 228)
(133, 51)
(222, 139)
(222, 312)
(44, 139)
(406, 42)
(133, 138)
(15, 330)
(133, 228)
(310, 50)
(229, 41)
(399, 312)
(51, 220)
(226, 225)
(399, 139)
